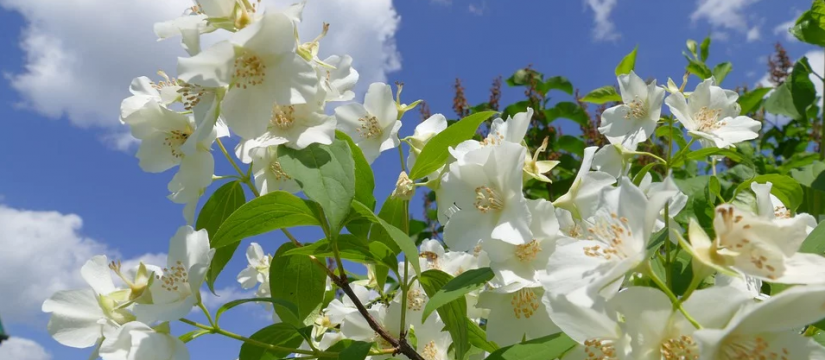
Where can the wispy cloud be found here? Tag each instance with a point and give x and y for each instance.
(478, 9)
(728, 15)
(782, 29)
(604, 29)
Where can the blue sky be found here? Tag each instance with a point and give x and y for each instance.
(64, 152)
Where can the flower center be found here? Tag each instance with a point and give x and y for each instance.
(250, 70)
(174, 139)
(527, 252)
(191, 95)
(432, 259)
(370, 128)
(174, 279)
(637, 110)
(278, 172)
(781, 212)
(525, 303)
(597, 349)
(282, 116)
(611, 231)
(681, 348)
(487, 199)
(707, 118)
(430, 351)
(493, 138)
(739, 347)
(416, 299)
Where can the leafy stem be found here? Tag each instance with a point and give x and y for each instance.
(676, 303)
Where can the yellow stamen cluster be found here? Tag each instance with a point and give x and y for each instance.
(528, 252)
(250, 70)
(416, 299)
(430, 351)
(753, 348)
(596, 349)
(432, 259)
(174, 139)
(278, 171)
(637, 109)
(707, 119)
(191, 95)
(370, 128)
(175, 278)
(487, 199)
(681, 348)
(525, 303)
(282, 116)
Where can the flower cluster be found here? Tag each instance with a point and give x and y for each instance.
(587, 265)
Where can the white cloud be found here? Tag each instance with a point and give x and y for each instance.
(225, 295)
(81, 55)
(42, 253)
(782, 29)
(23, 349)
(478, 9)
(727, 14)
(604, 29)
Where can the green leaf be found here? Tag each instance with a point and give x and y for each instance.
(223, 202)
(435, 153)
(567, 110)
(750, 101)
(404, 242)
(522, 76)
(704, 49)
(571, 144)
(628, 63)
(296, 279)
(548, 347)
(364, 178)
(457, 288)
(394, 212)
(478, 337)
(192, 335)
(326, 174)
(454, 313)
(721, 70)
(351, 248)
(283, 335)
(784, 187)
(273, 211)
(358, 350)
(556, 83)
(810, 26)
(604, 94)
(811, 175)
(793, 97)
(286, 305)
(699, 69)
(815, 242)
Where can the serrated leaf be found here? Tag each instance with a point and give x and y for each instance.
(326, 174)
(627, 64)
(454, 313)
(296, 279)
(456, 288)
(223, 202)
(435, 153)
(283, 335)
(604, 94)
(548, 347)
(273, 211)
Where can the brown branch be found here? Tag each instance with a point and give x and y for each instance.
(401, 344)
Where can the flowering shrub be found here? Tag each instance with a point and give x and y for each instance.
(613, 245)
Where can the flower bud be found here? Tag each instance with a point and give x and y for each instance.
(404, 187)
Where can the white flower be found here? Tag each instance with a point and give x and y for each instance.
(756, 246)
(374, 125)
(635, 120)
(433, 343)
(487, 190)
(675, 204)
(535, 168)
(712, 115)
(612, 159)
(766, 330)
(189, 26)
(590, 324)
(340, 311)
(770, 207)
(176, 289)
(299, 126)
(138, 341)
(524, 263)
(510, 131)
(338, 82)
(144, 90)
(617, 237)
(269, 176)
(425, 131)
(162, 133)
(190, 182)
(582, 197)
(257, 272)
(79, 318)
(516, 312)
(262, 68)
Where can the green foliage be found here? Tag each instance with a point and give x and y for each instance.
(220, 205)
(556, 83)
(434, 154)
(283, 335)
(548, 347)
(358, 350)
(364, 178)
(784, 187)
(602, 95)
(793, 97)
(456, 289)
(404, 242)
(350, 247)
(751, 100)
(627, 64)
(273, 211)
(296, 279)
(567, 110)
(453, 313)
(288, 308)
(326, 174)
(810, 26)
